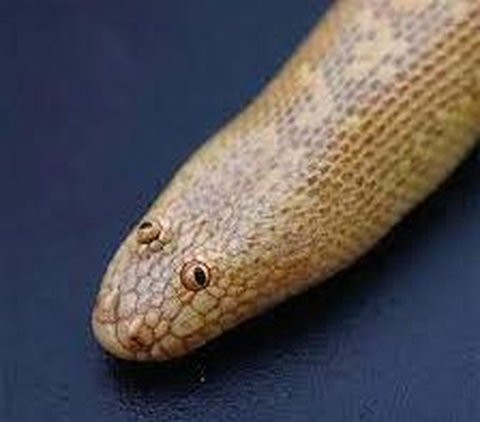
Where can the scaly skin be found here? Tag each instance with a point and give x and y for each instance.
(375, 109)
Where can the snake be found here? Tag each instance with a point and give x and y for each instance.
(370, 114)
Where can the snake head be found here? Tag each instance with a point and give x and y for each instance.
(186, 273)
(197, 265)
(158, 299)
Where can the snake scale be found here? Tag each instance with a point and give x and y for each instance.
(372, 112)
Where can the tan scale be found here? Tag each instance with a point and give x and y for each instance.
(374, 110)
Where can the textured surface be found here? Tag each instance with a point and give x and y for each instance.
(377, 107)
(396, 338)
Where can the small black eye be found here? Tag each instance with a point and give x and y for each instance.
(200, 276)
(195, 275)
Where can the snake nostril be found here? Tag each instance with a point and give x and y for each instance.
(145, 225)
(148, 231)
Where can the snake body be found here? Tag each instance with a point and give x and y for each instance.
(371, 113)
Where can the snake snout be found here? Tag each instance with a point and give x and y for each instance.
(136, 337)
(106, 335)
(105, 324)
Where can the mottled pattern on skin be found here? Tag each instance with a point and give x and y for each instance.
(375, 109)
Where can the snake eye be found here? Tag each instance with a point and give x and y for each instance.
(195, 275)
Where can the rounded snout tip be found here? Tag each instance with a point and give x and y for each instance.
(106, 335)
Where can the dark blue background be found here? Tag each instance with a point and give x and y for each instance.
(100, 101)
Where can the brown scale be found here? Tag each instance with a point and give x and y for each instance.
(374, 110)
